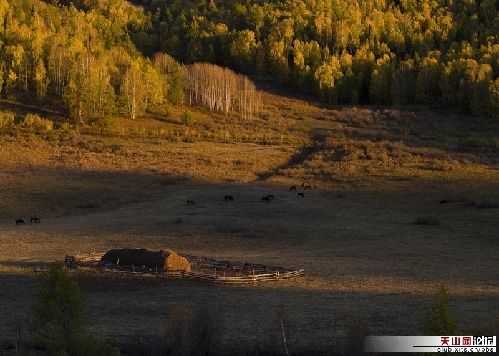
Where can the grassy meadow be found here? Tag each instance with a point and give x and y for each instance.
(372, 234)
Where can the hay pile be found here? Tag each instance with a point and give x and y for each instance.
(167, 260)
(174, 262)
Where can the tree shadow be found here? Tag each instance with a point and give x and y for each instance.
(61, 191)
(22, 264)
(50, 107)
(318, 138)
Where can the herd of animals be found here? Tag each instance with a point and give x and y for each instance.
(33, 220)
(267, 198)
(294, 188)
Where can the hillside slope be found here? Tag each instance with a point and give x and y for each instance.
(293, 142)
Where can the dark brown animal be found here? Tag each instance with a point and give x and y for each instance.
(265, 200)
(20, 222)
(34, 220)
(301, 195)
(229, 198)
(270, 196)
(292, 188)
(191, 203)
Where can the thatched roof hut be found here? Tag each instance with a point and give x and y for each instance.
(166, 260)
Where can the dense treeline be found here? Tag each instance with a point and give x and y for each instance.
(81, 51)
(86, 58)
(345, 51)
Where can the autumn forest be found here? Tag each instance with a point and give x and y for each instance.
(103, 57)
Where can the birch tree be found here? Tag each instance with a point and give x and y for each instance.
(221, 90)
(133, 90)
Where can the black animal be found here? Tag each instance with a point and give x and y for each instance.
(292, 188)
(20, 222)
(271, 196)
(307, 187)
(191, 203)
(444, 201)
(229, 198)
(34, 220)
(301, 195)
(265, 199)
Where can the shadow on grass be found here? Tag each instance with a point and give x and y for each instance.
(318, 139)
(46, 192)
(318, 322)
(52, 108)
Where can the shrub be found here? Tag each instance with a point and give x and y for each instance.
(6, 120)
(487, 205)
(495, 144)
(187, 118)
(66, 126)
(107, 124)
(57, 316)
(193, 332)
(354, 340)
(439, 320)
(427, 220)
(87, 345)
(204, 332)
(36, 123)
(190, 332)
(223, 136)
(475, 141)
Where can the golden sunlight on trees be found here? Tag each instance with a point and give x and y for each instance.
(221, 90)
(403, 52)
(345, 52)
(82, 54)
(133, 90)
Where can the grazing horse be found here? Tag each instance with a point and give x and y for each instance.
(265, 199)
(191, 203)
(271, 196)
(20, 222)
(307, 187)
(34, 220)
(301, 195)
(292, 188)
(229, 198)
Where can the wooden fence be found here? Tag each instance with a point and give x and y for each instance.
(203, 269)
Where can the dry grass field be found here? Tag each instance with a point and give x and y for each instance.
(374, 172)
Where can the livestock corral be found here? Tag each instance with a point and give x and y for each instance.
(198, 268)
